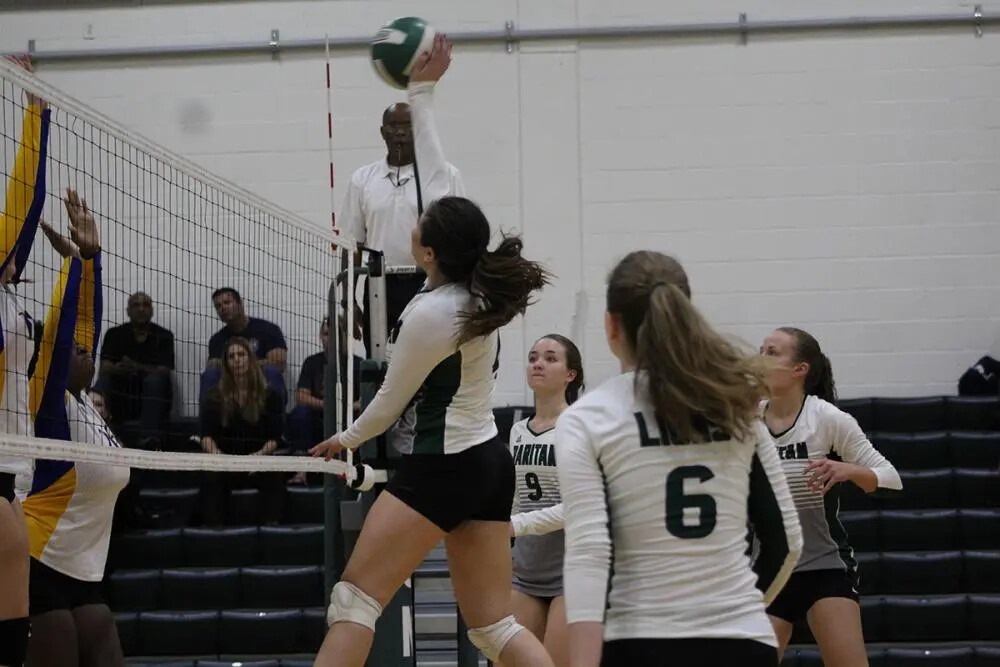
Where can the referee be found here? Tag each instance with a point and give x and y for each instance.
(380, 207)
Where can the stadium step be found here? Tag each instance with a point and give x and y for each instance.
(436, 619)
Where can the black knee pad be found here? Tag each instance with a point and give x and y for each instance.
(14, 635)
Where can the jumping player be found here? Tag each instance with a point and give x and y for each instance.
(458, 482)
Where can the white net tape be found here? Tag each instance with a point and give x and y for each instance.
(61, 450)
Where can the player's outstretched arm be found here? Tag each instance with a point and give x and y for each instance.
(587, 563)
(774, 517)
(435, 175)
(25, 195)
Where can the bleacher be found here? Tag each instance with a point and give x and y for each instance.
(930, 559)
(929, 556)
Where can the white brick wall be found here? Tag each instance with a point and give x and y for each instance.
(843, 183)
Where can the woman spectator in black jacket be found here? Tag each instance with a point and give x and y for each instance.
(242, 415)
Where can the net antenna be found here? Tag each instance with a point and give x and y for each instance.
(336, 314)
(349, 283)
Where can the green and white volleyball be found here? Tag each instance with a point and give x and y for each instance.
(397, 46)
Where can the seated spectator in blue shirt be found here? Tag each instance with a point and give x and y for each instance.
(137, 362)
(307, 417)
(306, 420)
(265, 338)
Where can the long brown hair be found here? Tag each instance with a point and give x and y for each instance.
(253, 408)
(696, 378)
(459, 233)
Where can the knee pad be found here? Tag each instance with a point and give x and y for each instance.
(350, 603)
(492, 639)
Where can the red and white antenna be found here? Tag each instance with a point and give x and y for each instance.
(329, 130)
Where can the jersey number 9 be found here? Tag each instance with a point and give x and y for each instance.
(531, 481)
(678, 502)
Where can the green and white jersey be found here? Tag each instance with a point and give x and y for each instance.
(821, 430)
(656, 528)
(537, 515)
(448, 387)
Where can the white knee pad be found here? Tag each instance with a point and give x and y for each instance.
(350, 603)
(492, 639)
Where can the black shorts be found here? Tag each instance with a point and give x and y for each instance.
(447, 489)
(14, 635)
(804, 589)
(49, 590)
(7, 489)
(688, 652)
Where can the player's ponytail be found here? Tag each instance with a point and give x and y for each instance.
(459, 234)
(694, 377)
(819, 380)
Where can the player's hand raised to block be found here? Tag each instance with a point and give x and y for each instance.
(82, 225)
(431, 66)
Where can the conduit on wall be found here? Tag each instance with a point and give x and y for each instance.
(509, 36)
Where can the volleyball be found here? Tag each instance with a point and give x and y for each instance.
(396, 47)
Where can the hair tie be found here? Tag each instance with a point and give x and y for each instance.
(659, 283)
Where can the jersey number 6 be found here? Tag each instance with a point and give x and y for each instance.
(678, 501)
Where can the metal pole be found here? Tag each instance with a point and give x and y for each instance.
(333, 535)
(509, 35)
(394, 644)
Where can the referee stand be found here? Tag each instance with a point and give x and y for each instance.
(394, 644)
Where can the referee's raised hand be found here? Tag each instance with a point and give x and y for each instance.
(82, 225)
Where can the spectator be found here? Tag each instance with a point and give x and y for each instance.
(380, 205)
(306, 420)
(265, 339)
(137, 362)
(241, 415)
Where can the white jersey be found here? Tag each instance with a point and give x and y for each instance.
(822, 430)
(537, 515)
(17, 349)
(538, 506)
(448, 387)
(71, 505)
(656, 531)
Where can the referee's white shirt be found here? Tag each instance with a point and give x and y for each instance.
(380, 205)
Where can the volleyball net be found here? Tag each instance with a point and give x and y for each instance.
(189, 265)
(202, 295)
